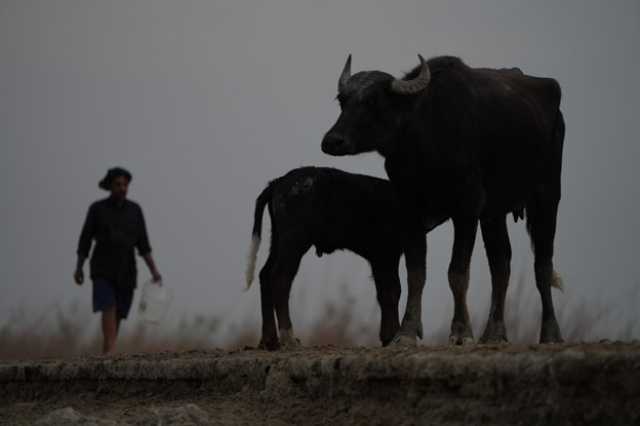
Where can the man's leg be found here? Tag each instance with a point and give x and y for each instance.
(110, 325)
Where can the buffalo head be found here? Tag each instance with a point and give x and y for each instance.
(373, 107)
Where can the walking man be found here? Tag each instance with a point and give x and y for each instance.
(117, 225)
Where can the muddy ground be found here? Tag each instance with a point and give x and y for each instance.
(526, 385)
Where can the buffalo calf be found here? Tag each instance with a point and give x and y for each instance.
(331, 209)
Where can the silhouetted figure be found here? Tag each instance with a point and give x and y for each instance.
(117, 225)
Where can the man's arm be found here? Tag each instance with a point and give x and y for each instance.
(84, 244)
(144, 249)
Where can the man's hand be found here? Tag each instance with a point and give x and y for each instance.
(78, 276)
(155, 275)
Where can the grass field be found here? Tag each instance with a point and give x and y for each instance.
(68, 330)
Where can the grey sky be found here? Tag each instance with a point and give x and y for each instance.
(205, 101)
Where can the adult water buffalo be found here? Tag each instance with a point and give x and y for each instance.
(469, 144)
(333, 210)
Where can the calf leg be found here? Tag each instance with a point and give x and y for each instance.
(285, 270)
(269, 338)
(498, 248)
(463, 241)
(388, 295)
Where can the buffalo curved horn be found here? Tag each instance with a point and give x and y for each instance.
(409, 87)
(345, 76)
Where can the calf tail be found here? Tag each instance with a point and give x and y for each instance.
(261, 202)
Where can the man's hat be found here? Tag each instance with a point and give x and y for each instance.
(113, 173)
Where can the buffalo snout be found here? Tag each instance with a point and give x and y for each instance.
(335, 144)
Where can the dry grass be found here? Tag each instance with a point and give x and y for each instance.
(69, 331)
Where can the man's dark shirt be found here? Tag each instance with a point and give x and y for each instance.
(117, 227)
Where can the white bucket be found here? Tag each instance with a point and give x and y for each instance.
(154, 302)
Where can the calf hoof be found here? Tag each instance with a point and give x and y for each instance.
(269, 344)
(288, 340)
(550, 332)
(460, 340)
(494, 333)
(404, 340)
(461, 334)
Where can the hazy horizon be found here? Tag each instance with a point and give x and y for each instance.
(206, 101)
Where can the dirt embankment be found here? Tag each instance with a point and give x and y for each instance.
(527, 385)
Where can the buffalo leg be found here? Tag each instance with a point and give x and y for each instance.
(498, 248)
(388, 295)
(542, 227)
(463, 241)
(415, 259)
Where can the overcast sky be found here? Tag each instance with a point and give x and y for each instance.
(205, 101)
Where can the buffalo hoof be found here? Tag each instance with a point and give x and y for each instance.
(404, 340)
(292, 343)
(461, 334)
(550, 332)
(495, 333)
(408, 330)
